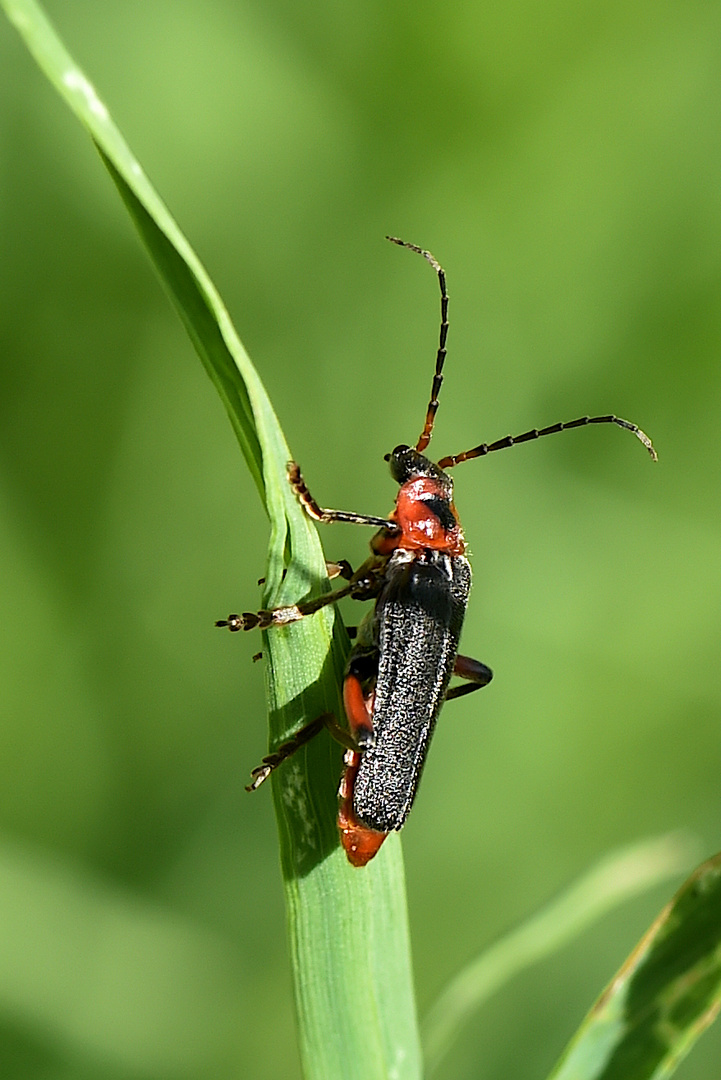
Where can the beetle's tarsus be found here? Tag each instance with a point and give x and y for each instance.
(259, 775)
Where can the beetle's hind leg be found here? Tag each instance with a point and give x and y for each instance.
(478, 675)
(271, 761)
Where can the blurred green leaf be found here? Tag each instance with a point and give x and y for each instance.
(109, 976)
(182, 273)
(663, 998)
(348, 928)
(616, 878)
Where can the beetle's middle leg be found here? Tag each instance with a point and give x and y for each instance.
(281, 616)
(295, 742)
(363, 585)
(478, 675)
(342, 568)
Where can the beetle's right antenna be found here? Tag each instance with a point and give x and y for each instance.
(536, 433)
(425, 437)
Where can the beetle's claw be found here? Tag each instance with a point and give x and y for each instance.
(247, 621)
(259, 775)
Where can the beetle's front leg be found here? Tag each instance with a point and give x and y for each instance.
(478, 675)
(319, 513)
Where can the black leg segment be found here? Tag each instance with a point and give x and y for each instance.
(300, 739)
(478, 675)
(318, 513)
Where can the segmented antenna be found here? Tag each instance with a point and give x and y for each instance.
(510, 440)
(535, 433)
(425, 436)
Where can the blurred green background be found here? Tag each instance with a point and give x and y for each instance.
(562, 161)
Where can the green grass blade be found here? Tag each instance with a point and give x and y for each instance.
(663, 998)
(617, 877)
(348, 928)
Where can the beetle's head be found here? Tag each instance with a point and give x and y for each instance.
(424, 510)
(406, 464)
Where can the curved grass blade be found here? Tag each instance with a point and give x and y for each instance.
(614, 879)
(663, 998)
(348, 928)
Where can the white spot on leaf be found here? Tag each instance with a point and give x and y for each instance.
(75, 80)
(294, 797)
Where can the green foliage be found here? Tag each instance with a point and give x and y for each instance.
(561, 163)
(664, 996)
(614, 880)
(328, 901)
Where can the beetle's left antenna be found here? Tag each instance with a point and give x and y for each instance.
(425, 437)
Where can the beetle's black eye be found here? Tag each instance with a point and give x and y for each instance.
(398, 450)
